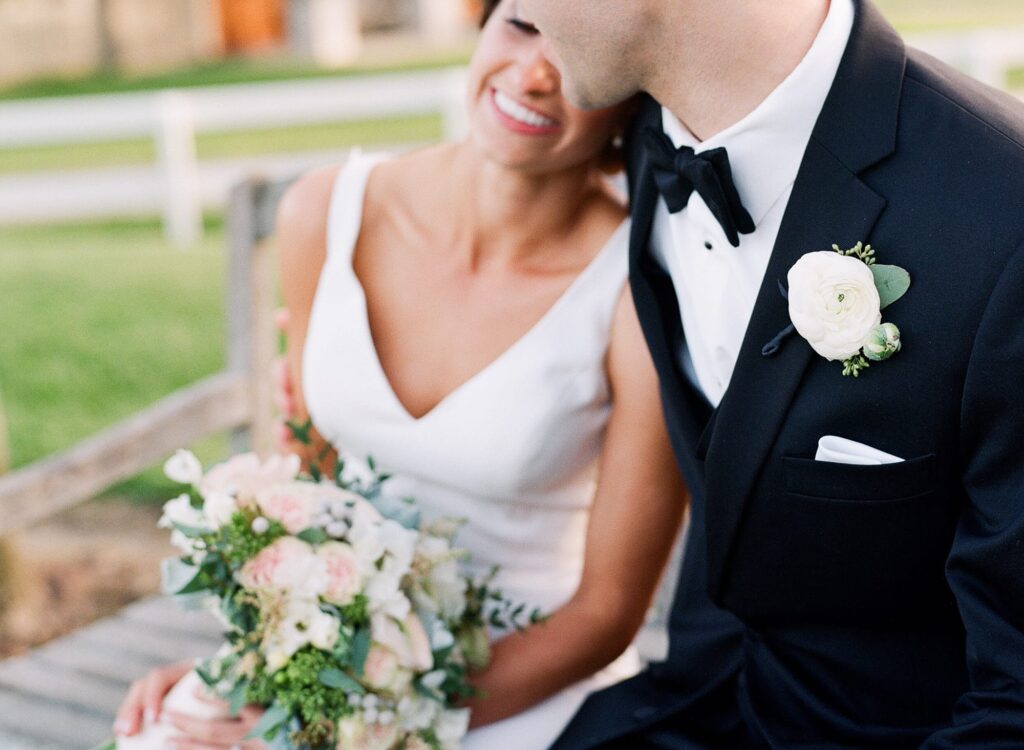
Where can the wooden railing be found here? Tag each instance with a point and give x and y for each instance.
(239, 399)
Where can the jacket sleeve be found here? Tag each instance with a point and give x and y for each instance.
(985, 568)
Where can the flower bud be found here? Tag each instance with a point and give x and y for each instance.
(882, 342)
(475, 647)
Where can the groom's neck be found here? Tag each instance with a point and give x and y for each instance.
(719, 59)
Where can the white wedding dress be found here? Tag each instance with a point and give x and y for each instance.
(513, 450)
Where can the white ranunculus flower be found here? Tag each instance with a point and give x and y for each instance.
(833, 303)
(219, 507)
(180, 511)
(184, 468)
(451, 727)
(323, 630)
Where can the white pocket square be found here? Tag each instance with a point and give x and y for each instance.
(843, 451)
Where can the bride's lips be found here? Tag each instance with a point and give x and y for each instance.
(520, 118)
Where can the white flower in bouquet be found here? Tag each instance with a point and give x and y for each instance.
(354, 733)
(302, 623)
(416, 712)
(219, 508)
(400, 543)
(443, 590)
(244, 475)
(364, 535)
(184, 468)
(180, 512)
(384, 591)
(344, 579)
(407, 639)
(451, 727)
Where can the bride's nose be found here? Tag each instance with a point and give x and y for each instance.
(537, 75)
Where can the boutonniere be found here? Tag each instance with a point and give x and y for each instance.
(836, 300)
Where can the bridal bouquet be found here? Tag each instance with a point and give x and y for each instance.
(346, 615)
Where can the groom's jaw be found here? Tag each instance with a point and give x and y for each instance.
(597, 46)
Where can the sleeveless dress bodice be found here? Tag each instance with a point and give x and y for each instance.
(513, 450)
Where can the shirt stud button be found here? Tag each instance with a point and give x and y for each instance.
(708, 245)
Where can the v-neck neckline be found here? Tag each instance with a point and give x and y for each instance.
(484, 371)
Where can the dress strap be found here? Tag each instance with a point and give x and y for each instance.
(348, 196)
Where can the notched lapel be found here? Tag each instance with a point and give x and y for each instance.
(829, 205)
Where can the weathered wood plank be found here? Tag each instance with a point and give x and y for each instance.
(58, 683)
(219, 402)
(164, 612)
(129, 637)
(117, 666)
(51, 724)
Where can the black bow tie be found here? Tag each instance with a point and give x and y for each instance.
(680, 171)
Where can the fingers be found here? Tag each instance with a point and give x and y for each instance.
(281, 319)
(217, 732)
(186, 743)
(146, 696)
(129, 715)
(284, 399)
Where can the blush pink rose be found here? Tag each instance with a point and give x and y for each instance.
(343, 578)
(262, 572)
(295, 504)
(407, 639)
(244, 475)
(381, 670)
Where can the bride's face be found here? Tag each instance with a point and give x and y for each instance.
(518, 115)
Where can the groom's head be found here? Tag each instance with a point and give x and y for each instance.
(599, 45)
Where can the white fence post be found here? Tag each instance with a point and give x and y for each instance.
(179, 168)
(454, 116)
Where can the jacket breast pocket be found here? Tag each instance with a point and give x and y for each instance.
(850, 542)
(895, 481)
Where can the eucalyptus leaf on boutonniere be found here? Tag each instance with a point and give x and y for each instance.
(836, 300)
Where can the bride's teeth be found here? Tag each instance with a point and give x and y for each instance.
(518, 112)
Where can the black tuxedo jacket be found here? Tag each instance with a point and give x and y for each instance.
(835, 606)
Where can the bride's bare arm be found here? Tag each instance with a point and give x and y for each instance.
(301, 251)
(635, 518)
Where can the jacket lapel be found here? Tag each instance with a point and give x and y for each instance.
(653, 292)
(829, 204)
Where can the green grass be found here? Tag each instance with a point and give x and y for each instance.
(227, 145)
(99, 321)
(230, 70)
(935, 15)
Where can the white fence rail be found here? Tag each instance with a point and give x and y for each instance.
(179, 187)
(173, 118)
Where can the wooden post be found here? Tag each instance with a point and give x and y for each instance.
(5, 449)
(252, 339)
(326, 31)
(176, 151)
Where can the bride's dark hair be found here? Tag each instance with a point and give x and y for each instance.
(487, 8)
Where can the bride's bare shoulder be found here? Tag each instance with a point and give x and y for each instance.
(411, 176)
(301, 221)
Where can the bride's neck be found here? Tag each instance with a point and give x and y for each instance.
(506, 215)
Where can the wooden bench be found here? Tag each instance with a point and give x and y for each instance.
(64, 695)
